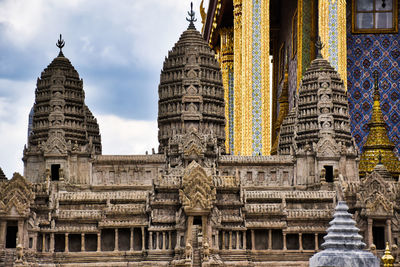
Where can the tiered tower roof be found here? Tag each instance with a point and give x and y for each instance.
(60, 107)
(191, 96)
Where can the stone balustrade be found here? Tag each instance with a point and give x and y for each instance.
(309, 214)
(101, 196)
(264, 209)
(290, 195)
(126, 209)
(80, 214)
(169, 181)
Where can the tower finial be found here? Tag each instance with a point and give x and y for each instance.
(60, 44)
(191, 19)
(319, 45)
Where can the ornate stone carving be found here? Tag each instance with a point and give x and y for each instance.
(18, 194)
(198, 193)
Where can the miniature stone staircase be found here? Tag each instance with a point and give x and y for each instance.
(195, 246)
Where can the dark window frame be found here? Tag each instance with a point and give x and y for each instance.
(395, 22)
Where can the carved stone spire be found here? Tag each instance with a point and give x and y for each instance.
(60, 117)
(191, 95)
(378, 146)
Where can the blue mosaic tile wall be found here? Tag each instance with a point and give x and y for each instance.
(365, 54)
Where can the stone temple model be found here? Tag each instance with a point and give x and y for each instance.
(191, 204)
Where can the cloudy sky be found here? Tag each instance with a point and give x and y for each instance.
(117, 47)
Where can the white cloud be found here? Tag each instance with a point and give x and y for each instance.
(125, 137)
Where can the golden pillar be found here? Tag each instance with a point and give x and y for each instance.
(237, 81)
(226, 59)
(252, 91)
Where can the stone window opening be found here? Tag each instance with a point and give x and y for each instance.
(277, 239)
(308, 241)
(378, 236)
(74, 242)
(55, 172)
(59, 242)
(107, 239)
(197, 220)
(292, 242)
(328, 173)
(90, 242)
(11, 235)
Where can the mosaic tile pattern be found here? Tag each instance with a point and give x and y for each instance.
(231, 110)
(256, 79)
(333, 34)
(367, 53)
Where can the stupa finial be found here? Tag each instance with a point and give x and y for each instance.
(60, 44)
(319, 45)
(375, 75)
(191, 19)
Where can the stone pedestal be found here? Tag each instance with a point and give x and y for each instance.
(343, 246)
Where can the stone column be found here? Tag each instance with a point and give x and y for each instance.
(157, 240)
(132, 237)
(151, 240)
(270, 239)
(216, 241)
(116, 240)
(3, 227)
(43, 242)
(52, 242)
(300, 242)
(82, 242)
(143, 239)
(98, 241)
(253, 241)
(316, 242)
(237, 240)
(66, 243)
(244, 240)
(284, 241)
(204, 228)
(370, 238)
(189, 229)
(170, 240)
(35, 237)
(21, 232)
(223, 240)
(389, 231)
(163, 240)
(230, 240)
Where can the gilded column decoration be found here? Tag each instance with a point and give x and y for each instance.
(378, 147)
(237, 81)
(265, 79)
(332, 29)
(247, 74)
(228, 80)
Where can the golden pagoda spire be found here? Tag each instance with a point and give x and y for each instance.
(378, 148)
(387, 259)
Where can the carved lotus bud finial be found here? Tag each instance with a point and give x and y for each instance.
(319, 45)
(60, 44)
(191, 15)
